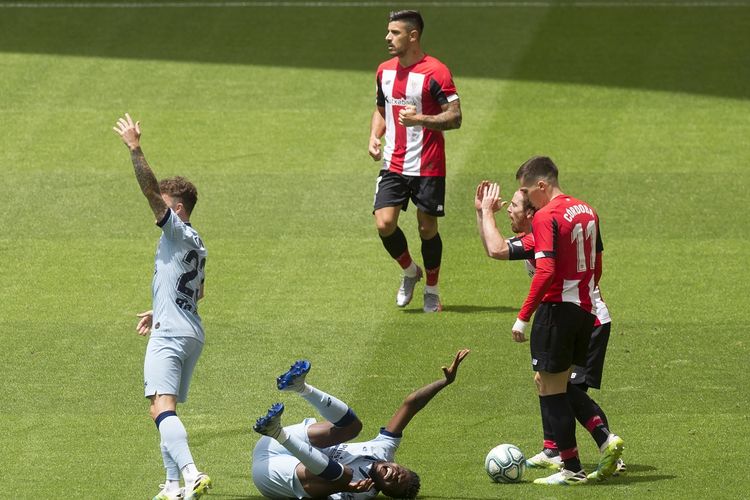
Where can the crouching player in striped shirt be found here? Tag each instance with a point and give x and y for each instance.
(176, 331)
(313, 460)
(521, 247)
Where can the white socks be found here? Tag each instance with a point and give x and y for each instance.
(411, 271)
(315, 460)
(330, 408)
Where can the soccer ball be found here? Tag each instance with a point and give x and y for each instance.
(505, 463)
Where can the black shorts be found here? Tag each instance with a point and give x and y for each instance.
(427, 193)
(560, 336)
(591, 373)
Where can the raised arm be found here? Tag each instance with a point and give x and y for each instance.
(448, 119)
(419, 398)
(494, 244)
(478, 197)
(130, 133)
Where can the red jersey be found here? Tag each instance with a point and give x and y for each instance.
(427, 85)
(522, 247)
(567, 247)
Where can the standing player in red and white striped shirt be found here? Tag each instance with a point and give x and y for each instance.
(416, 101)
(568, 257)
(521, 247)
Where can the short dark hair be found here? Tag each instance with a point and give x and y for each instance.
(181, 188)
(538, 167)
(526, 203)
(409, 490)
(412, 17)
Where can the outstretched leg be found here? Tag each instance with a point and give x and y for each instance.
(342, 423)
(315, 460)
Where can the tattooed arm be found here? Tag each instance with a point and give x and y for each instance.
(131, 135)
(448, 119)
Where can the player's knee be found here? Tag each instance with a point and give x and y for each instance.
(427, 231)
(386, 225)
(428, 226)
(350, 426)
(355, 428)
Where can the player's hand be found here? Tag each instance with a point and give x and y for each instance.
(518, 336)
(129, 132)
(517, 330)
(479, 196)
(450, 371)
(408, 117)
(360, 486)
(491, 199)
(374, 149)
(144, 324)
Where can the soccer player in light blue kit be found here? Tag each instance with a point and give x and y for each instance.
(176, 332)
(313, 460)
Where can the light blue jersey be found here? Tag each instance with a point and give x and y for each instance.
(275, 468)
(360, 457)
(178, 276)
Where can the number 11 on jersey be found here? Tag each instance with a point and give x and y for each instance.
(577, 236)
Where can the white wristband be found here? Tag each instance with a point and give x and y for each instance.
(520, 325)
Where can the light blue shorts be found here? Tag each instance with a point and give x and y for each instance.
(274, 467)
(169, 365)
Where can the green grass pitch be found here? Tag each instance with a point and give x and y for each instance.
(644, 108)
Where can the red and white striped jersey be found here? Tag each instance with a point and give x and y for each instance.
(567, 250)
(427, 85)
(522, 247)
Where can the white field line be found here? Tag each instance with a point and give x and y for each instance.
(363, 4)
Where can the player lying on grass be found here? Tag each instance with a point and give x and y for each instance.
(521, 247)
(313, 460)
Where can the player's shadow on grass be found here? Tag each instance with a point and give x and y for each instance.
(589, 466)
(493, 497)
(635, 474)
(692, 50)
(467, 309)
(233, 496)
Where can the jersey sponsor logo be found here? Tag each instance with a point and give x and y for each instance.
(574, 210)
(394, 101)
(338, 452)
(184, 304)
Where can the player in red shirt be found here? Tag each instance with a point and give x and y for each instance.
(416, 101)
(568, 257)
(521, 247)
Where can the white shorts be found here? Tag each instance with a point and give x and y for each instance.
(274, 467)
(169, 365)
